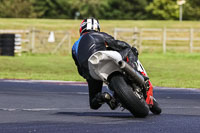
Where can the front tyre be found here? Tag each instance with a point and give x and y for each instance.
(155, 109)
(129, 99)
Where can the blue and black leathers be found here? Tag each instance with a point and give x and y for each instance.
(92, 42)
(88, 44)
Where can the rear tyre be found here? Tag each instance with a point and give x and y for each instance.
(129, 99)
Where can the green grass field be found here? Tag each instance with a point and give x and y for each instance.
(170, 70)
(61, 24)
(41, 67)
(173, 70)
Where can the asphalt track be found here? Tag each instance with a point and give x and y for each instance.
(62, 107)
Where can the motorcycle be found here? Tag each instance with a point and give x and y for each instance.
(128, 84)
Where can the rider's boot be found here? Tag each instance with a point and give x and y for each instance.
(106, 97)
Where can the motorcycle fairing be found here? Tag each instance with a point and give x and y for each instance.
(103, 63)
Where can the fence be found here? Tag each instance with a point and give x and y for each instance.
(43, 41)
(164, 38)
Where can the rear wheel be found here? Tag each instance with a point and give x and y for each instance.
(129, 98)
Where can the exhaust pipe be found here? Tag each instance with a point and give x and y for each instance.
(136, 76)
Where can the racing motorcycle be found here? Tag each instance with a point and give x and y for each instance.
(129, 85)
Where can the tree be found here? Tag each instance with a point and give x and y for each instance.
(163, 9)
(101, 9)
(16, 9)
(51, 8)
(191, 10)
(127, 9)
(69, 8)
(88, 8)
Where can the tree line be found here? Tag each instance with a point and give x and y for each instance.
(101, 9)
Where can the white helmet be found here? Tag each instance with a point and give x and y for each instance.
(88, 25)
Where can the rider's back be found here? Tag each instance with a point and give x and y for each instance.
(89, 43)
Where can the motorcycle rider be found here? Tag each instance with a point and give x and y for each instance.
(92, 40)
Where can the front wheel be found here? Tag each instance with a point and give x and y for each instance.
(155, 109)
(129, 99)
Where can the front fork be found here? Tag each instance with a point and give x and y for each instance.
(149, 99)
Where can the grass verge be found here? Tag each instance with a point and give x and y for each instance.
(173, 70)
(167, 70)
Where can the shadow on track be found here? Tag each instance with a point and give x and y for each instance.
(98, 114)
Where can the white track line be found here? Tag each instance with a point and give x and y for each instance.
(44, 81)
(59, 109)
(195, 107)
(167, 88)
(40, 109)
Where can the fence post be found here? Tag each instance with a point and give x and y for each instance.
(191, 39)
(69, 36)
(115, 33)
(140, 40)
(135, 36)
(164, 39)
(33, 41)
